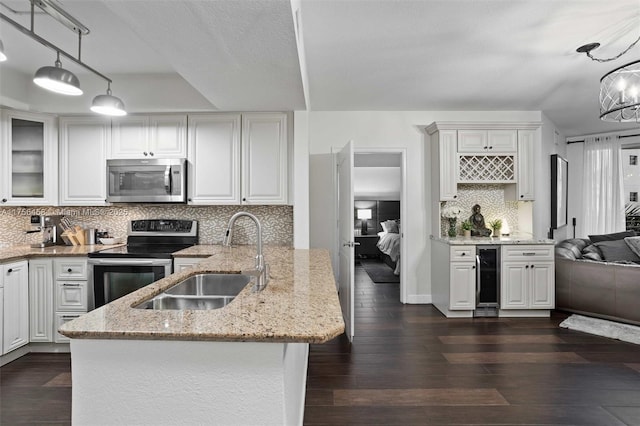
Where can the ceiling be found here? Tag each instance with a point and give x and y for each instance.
(401, 55)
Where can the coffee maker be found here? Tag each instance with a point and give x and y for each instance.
(50, 228)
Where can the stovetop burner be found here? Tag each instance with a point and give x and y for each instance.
(154, 238)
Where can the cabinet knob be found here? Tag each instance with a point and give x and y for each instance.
(189, 199)
(490, 147)
(151, 153)
(527, 267)
(463, 254)
(521, 196)
(10, 270)
(4, 200)
(69, 270)
(485, 147)
(532, 266)
(145, 153)
(244, 199)
(473, 267)
(455, 196)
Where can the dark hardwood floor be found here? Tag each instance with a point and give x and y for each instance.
(410, 365)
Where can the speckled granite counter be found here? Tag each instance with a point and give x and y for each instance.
(300, 303)
(10, 254)
(489, 240)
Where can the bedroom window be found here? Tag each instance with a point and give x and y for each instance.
(633, 160)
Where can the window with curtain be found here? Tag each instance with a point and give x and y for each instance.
(631, 182)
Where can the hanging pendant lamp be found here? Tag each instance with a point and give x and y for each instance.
(108, 104)
(58, 79)
(3, 57)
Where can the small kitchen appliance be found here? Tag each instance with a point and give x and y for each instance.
(50, 228)
(487, 281)
(146, 258)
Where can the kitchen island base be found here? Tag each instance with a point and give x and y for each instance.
(151, 382)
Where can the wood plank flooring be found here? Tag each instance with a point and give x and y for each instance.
(410, 365)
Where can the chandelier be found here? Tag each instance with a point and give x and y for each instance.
(619, 88)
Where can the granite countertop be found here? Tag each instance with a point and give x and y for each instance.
(511, 240)
(300, 303)
(9, 254)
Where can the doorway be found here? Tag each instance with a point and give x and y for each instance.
(378, 215)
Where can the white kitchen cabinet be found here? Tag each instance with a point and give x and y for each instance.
(487, 141)
(526, 171)
(15, 305)
(214, 159)
(28, 159)
(462, 286)
(182, 263)
(265, 160)
(84, 142)
(41, 300)
(443, 149)
(71, 292)
(155, 136)
(528, 279)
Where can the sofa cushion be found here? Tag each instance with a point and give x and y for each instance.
(571, 248)
(616, 250)
(611, 237)
(634, 244)
(592, 252)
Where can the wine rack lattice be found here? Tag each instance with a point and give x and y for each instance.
(486, 168)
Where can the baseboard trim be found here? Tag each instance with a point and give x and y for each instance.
(419, 299)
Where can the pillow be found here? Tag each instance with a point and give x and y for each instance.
(634, 244)
(384, 226)
(392, 227)
(611, 237)
(616, 250)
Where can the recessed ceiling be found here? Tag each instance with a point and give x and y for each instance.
(409, 55)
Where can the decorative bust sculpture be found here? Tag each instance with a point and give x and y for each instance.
(479, 228)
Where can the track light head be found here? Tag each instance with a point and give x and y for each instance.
(108, 104)
(58, 79)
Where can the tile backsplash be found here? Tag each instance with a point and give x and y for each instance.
(490, 197)
(277, 221)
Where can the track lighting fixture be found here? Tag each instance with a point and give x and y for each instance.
(58, 79)
(108, 104)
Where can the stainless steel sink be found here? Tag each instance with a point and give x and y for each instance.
(201, 292)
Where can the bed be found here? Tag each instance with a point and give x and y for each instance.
(389, 244)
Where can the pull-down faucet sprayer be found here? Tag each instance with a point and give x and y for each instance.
(261, 269)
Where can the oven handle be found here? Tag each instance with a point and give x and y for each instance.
(131, 262)
(167, 179)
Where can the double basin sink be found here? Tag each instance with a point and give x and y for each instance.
(201, 292)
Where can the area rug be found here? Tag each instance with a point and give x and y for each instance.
(379, 272)
(600, 327)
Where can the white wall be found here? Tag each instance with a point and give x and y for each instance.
(380, 183)
(384, 129)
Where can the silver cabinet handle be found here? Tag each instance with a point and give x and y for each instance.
(70, 285)
(528, 254)
(350, 244)
(70, 316)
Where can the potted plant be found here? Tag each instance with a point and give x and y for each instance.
(466, 228)
(495, 225)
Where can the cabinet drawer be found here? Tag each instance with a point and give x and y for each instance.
(464, 253)
(62, 318)
(71, 296)
(533, 252)
(70, 269)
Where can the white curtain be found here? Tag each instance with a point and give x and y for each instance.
(603, 197)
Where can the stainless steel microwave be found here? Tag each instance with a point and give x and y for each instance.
(155, 180)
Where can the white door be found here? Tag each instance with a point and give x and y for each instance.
(345, 237)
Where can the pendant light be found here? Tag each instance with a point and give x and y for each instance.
(3, 57)
(108, 104)
(58, 79)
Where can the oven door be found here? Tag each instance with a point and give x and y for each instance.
(114, 278)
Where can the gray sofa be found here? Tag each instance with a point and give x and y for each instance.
(596, 288)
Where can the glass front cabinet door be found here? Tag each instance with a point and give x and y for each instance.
(29, 150)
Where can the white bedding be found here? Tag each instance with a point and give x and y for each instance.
(389, 244)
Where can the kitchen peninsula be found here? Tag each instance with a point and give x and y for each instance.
(241, 364)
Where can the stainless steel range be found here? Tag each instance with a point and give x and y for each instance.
(146, 258)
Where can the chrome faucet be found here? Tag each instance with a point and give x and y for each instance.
(261, 271)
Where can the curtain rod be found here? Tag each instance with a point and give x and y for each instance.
(621, 136)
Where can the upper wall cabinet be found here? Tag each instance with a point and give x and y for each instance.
(214, 159)
(487, 141)
(155, 136)
(84, 142)
(29, 159)
(238, 158)
(264, 158)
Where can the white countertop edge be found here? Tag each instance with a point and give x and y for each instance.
(512, 240)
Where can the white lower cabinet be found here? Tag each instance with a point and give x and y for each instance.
(15, 324)
(41, 300)
(462, 286)
(71, 292)
(528, 278)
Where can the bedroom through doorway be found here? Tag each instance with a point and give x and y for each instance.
(377, 185)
